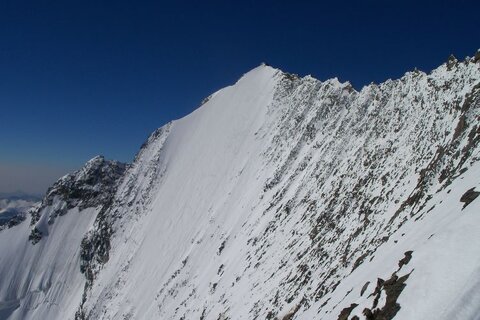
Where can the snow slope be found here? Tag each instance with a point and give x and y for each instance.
(279, 198)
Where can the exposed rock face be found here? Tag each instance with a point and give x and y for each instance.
(94, 185)
(281, 197)
(469, 196)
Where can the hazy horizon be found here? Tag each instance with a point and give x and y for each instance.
(29, 179)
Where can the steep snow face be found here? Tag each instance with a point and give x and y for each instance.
(43, 281)
(283, 198)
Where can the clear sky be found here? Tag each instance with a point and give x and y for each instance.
(81, 78)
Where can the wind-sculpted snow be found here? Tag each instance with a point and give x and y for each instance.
(284, 197)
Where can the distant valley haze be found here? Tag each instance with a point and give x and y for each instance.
(31, 179)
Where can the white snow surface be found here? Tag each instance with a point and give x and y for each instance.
(279, 198)
(43, 281)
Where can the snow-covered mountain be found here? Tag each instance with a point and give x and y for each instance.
(281, 197)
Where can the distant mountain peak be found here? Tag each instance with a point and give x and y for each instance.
(93, 185)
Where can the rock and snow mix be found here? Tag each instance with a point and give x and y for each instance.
(279, 198)
(14, 208)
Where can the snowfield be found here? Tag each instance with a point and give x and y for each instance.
(281, 197)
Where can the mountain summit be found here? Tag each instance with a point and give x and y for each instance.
(281, 197)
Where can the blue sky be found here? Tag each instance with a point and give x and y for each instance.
(81, 78)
